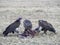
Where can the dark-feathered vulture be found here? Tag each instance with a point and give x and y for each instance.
(46, 26)
(28, 26)
(12, 27)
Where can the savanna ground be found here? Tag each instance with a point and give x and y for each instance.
(34, 10)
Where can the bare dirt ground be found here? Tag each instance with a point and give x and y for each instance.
(34, 10)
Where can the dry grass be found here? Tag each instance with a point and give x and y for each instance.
(8, 16)
(49, 13)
